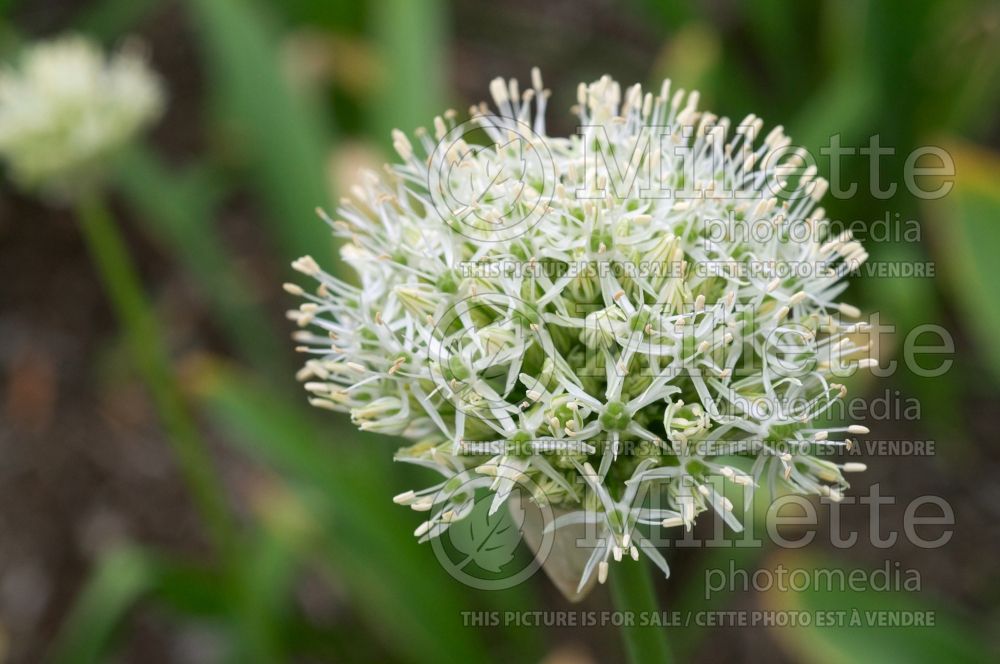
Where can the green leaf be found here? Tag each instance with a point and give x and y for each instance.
(273, 130)
(186, 229)
(966, 234)
(411, 41)
(951, 638)
(248, 600)
(848, 96)
(262, 598)
(121, 579)
(907, 303)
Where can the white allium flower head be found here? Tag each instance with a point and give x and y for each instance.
(66, 108)
(530, 315)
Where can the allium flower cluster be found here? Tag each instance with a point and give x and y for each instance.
(531, 316)
(67, 108)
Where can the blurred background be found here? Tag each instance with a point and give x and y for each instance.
(273, 109)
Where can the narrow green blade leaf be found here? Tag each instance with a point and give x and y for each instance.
(274, 131)
(966, 225)
(119, 582)
(186, 228)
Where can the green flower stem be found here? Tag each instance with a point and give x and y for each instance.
(632, 591)
(149, 353)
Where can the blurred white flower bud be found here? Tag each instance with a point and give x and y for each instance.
(66, 108)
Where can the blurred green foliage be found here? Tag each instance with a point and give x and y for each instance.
(966, 223)
(276, 135)
(860, 638)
